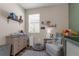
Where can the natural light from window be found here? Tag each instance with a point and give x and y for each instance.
(34, 23)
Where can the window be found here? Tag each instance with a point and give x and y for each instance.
(34, 23)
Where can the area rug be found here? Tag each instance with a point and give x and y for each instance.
(34, 53)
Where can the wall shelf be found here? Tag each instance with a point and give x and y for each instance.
(13, 17)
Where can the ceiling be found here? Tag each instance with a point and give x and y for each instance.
(36, 5)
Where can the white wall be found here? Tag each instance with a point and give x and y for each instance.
(56, 14)
(13, 26)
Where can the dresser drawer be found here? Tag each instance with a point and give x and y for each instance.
(16, 49)
(18, 43)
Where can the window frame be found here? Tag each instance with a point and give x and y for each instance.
(34, 24)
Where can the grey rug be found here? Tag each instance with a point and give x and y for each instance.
(34, 53)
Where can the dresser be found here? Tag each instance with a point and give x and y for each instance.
(18, 43)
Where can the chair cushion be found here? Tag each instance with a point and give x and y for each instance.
(53, 48)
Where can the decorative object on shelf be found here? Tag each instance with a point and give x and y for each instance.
(13, 16)
(53, 25)
(50, 25)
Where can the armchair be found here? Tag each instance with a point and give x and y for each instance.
(55, 48)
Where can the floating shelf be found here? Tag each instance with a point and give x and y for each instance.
(13, 17)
